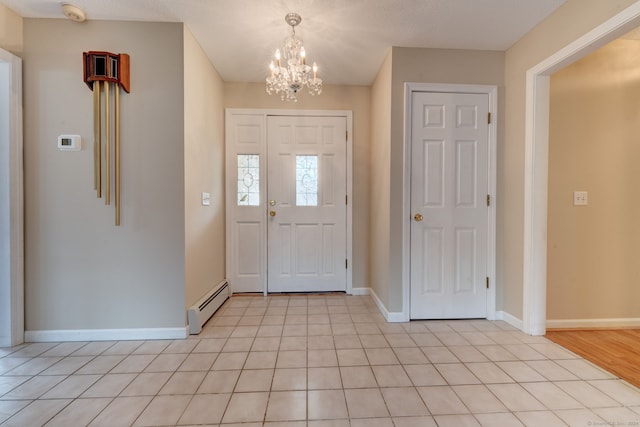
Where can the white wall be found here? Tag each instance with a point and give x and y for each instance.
(203, 172)
(82, 272)
(380, 190)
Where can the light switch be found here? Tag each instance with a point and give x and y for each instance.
(580, 198)
(206, 199)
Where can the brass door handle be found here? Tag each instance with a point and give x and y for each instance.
(272, 213)
(418, 217)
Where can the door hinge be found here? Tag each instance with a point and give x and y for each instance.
(346, 263)
(488, 200)
(487, 282)
(346, 135)
(489, 118)
(346, 199)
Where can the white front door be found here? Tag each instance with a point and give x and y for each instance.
(297, 167)
(449, 213)
(306, 196)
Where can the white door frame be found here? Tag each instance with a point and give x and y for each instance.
(348, 115)
(11, 180)
(534, 280)
(492, 92)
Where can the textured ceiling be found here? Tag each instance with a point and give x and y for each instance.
(347, 38)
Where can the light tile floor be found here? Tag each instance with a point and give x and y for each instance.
(314, 361)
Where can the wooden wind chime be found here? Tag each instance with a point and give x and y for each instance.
(102, 70)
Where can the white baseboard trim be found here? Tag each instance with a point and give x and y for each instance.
(360, 291)
(396, 317)
(392, 317)
(594, 323)
(381, 306)
(510, 319)
(106, 334)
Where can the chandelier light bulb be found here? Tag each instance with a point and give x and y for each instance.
(278, 57)
(289, 76)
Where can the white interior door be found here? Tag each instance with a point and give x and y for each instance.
(449, 212)
(306, 190)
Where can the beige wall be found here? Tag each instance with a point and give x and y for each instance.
(593, 146)
(380, 195)
(354, 98)
(11, 25)
(203, 172)
(82, 272)
(428, 66)
(77, 259)
(567, 23)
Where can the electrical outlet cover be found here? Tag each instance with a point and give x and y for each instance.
(580, 198)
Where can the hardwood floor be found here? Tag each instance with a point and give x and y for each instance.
(616, 350)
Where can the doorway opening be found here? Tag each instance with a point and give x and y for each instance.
(536, 163)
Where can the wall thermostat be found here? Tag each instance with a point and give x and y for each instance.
(69, 142)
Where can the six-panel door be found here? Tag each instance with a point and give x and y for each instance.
(449, 214)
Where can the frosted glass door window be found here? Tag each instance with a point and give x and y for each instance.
(248, 180)
(306, 180)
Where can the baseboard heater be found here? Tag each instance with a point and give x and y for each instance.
(201, 311)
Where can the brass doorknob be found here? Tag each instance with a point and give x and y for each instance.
(418, 217)
(272, 213)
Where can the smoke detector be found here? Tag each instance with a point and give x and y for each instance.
(73, 12)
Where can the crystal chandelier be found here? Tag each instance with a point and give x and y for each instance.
(290, 72)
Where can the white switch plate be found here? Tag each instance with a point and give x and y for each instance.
(206, 199)
(580, 198)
